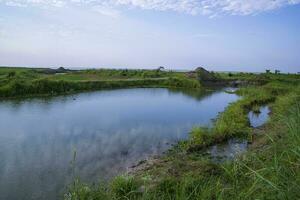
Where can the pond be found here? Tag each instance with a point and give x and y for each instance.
(109, 130)
(259, 119)
(235, 146)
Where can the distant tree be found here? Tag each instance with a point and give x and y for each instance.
(268, 71)
(230, 74)
(277, 71)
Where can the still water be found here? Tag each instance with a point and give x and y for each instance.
(235, 146)
(109, 131)
(259, 119)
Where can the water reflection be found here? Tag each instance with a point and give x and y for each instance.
(227, 150)
(110, 131)
(258, 119)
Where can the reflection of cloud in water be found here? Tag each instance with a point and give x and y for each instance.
(110, 130)
(38, 159)
(114, 152)
(258, 119)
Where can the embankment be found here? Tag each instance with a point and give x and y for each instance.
(18, 88)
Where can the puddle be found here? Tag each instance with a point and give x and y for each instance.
(258, 119)
(228, 150)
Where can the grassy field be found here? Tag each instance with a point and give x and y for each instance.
(270, 168)
(30, 82)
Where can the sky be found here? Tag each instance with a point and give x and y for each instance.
(222, 35)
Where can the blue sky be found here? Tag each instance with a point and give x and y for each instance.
(227, 35)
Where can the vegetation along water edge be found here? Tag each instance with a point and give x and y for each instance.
(268, 170)
(16, 82)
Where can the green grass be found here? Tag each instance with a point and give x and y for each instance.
(259, 78)
(31, 82)
(109, 74)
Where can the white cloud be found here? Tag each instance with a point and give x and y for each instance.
(15, 4)
(194, 7)
(41, 3)
(107, 11)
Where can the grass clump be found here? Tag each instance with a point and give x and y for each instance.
(232, 121)
(124, 187)
(201, 135)
(81, 191)
(121, 187)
